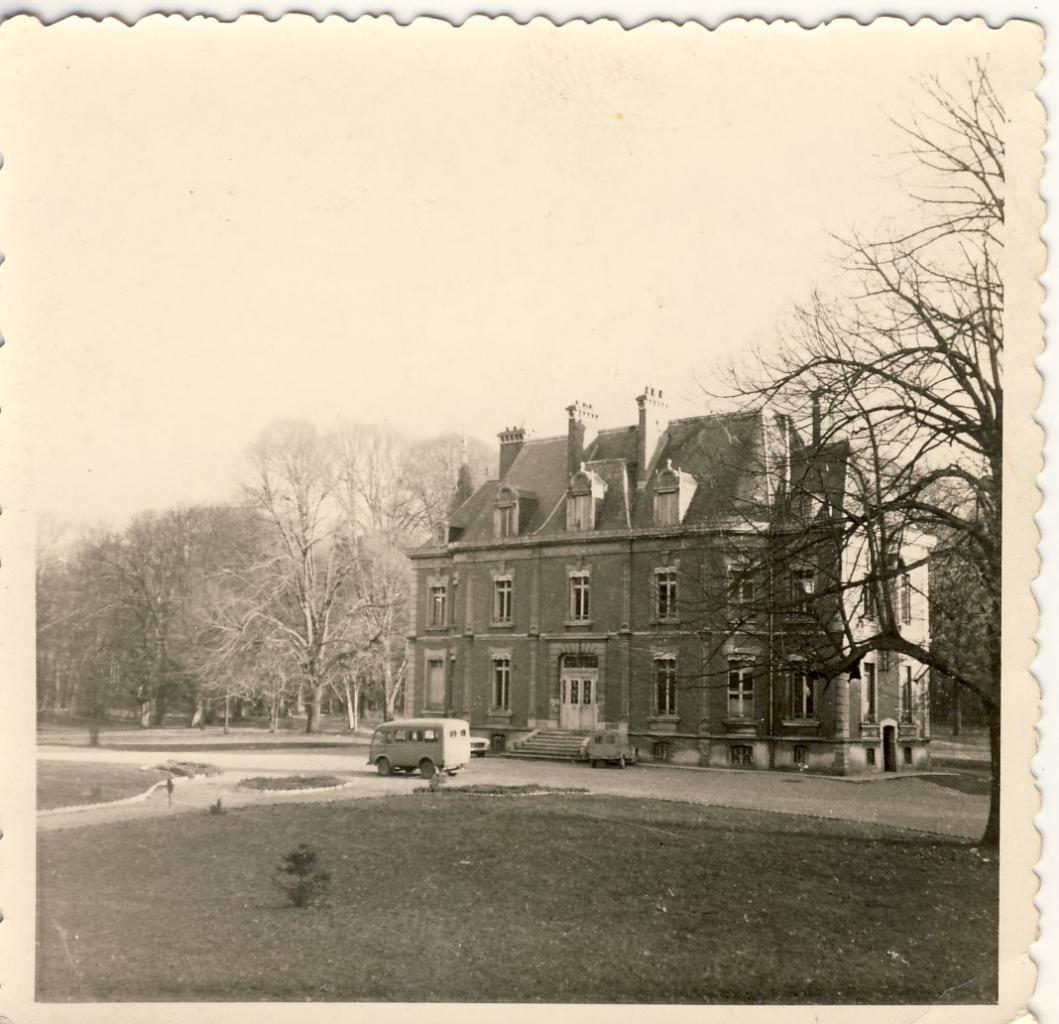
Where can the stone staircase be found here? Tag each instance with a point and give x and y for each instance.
(551, 745)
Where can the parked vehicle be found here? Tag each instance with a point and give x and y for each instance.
(426, 745)
(610, 748)
(479, 746)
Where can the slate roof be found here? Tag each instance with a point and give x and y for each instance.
(735, 458)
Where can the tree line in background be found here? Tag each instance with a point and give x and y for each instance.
(290, 599)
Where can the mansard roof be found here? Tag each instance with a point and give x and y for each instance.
(738, 461)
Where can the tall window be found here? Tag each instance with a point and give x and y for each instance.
(502, 684)
(667, 507)
(871, 690)
(436, 682)
(905, 592)
(871, 601)
(579, 590)
(741, 579)
(906, 693)
(502, 599)
(579, 512)
(507, 520)
(438, 604)
(802, 701)
(666, 594)
(803, 586)
(666, 686)
(740, 689)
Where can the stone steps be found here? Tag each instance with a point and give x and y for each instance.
(550, 745)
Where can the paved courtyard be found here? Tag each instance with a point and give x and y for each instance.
(909, 802)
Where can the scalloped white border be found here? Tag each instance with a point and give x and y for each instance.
(17, 575)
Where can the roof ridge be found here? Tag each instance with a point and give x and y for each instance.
(538, 440)
(717, 416)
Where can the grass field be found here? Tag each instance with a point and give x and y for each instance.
(61, 784)
(561, 898)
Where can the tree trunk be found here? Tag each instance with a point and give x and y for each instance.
(158, 711)
(299, 700)
(145, 713)
(389, 686)
(991, 836)
(273, 713)
(312, 723)
(198, 716)
(351, 707)
(226, 713)
(957, 715)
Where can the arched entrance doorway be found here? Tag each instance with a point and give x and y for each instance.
(889, 747)
(578, 692)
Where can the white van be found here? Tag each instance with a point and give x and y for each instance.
(427, 744)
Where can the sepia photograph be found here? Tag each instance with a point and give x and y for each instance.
(520, 514)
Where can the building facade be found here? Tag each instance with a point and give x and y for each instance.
(672, 580)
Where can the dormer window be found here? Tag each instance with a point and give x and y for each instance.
(673, 493)
(583, 500)
(505, 516)
(579, 512)
(667, 499)
(514, 511)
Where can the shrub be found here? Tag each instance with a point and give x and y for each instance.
(302, 879)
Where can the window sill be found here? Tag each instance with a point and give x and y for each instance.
(665, 622)
(741, 725)
(505, 624)
(663, 723)
(436, 629)
(500, 713)
(795, 722)
(583, 623)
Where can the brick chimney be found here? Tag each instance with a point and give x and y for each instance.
(652, 422)
(580, 430)
(511, 441)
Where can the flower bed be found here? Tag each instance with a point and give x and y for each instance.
(292, 782)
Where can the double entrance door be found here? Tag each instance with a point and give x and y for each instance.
(578, 694)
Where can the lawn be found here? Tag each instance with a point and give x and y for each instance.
(557, 898)
(62, 784)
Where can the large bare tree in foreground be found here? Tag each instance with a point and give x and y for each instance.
(908, 372)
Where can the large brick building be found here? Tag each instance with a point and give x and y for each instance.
(622, 577)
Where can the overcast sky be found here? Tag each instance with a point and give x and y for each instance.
(207, 226)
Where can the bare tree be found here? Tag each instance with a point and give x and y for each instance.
(442, 471)
(907, 375)
(293, 483)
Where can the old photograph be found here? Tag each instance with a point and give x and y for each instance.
(520, 514)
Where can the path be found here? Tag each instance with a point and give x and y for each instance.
(913, 803)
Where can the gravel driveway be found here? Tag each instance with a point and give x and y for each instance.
(911, 802)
